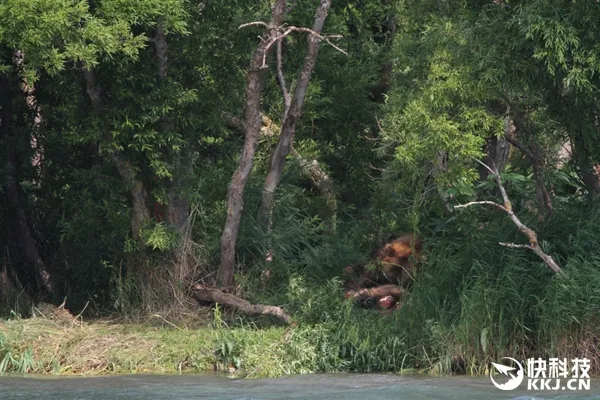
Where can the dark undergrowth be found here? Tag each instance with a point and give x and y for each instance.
(472, 302)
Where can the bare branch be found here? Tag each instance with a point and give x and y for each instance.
(491, 203)
(287, 98)
(261, 23)
(518, 246)
(531, 235)
(487, 167)
(301, 29)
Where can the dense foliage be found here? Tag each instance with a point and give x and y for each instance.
(122, 123)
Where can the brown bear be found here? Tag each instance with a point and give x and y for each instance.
(390, 268)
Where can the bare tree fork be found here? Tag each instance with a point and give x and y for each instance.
(532, 152)
(312, 32)
(36, 269)
(292, 114)
(202, 293)
(137, 189)
(507, 208)
(379, 291)
(252, 124)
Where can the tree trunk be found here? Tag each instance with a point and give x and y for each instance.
(139, 196)
(252, 124)
(496, 150)
(36, 269)
(178, 207)
(535, 156)
(590, 173)
(178, 210)
(288, 127)
(318, 178)
(28, 92)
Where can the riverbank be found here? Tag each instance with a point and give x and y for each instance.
(51, 346)
(47, 346)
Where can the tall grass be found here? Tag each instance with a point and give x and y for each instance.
(473, 301)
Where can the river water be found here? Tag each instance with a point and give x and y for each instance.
(326, 387)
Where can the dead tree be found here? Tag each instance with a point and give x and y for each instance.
(252, 123)
(275, 31)
(292, 110)
(507, 208)
(312, 170)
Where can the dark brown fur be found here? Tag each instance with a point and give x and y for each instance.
(391, 264)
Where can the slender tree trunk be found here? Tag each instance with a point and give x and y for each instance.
(139, 196)
(590, 173)
(288, 127)
(534, 154)
(384, 34)
(28, 92)
(319, 179)
(496, 150)
(252, 124)
(178, 207)
(36, 269)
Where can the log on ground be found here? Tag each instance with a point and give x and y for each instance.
(201, 293)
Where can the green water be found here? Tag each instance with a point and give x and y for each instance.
(326, 387)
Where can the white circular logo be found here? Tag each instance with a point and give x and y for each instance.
(514, 381)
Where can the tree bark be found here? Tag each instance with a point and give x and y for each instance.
(36, 269)
(178, 207)
(317, 176)
(321, 181)
(139, 196)
(252, 124)
(288, 127)
(496, 150)
(590, 173)
(28, 92)
(535, 156)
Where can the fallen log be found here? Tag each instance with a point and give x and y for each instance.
(201, 293)
(380, 292)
